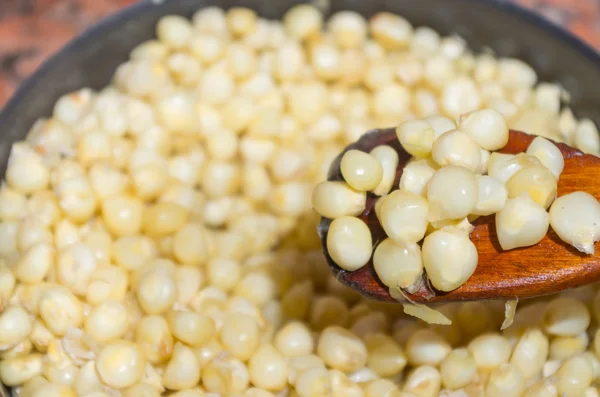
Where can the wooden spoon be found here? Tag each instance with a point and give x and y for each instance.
(548, 267)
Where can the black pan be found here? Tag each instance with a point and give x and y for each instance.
(91, 59)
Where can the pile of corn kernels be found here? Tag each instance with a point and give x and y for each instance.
(157, 237)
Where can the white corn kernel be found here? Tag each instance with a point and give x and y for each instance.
(548, 154)
(122, 215)
(521, 223)
(537, 181)
(423, 381)
(458, 369)
(566, 316)
(504, 166)
(530, 353)
(397, 265)
(107, 321)
(361, 170)
(388, 158)
(489, 351)
(587, 137)
(60, 309)
(403, 216)
(449, 258)
(426, 347)
(416, 137)
(574, 376)
(492, 195)
(349, 243)
(416, 175)
(348, 28)
(342, 350)
(486, 127)
(120, 364)
(505, 381)
(191, 328)
(268, 369)
(456, 147)
(240, 335)
(391, 31)
(156, 290)
(452, 193)
(15, 326)
(174, 30)
(183, 369)
(18, 370)
(294, 340)
(575, 217)
(241, 21)
(35, 263)
(303, 21)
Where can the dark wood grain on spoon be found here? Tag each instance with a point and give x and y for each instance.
(545, 268)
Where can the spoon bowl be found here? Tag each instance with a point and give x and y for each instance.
(548, 267)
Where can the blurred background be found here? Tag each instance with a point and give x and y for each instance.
(32, 30)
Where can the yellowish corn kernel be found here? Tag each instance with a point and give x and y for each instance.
(403, 216)
(486, 127)
(240, 335)
(416, 175)
(225, 375)
(303, 21)
(492, 195)
(163, 219)
(360, 170)
(505, 381)
(60, 309)
(563, 347)
(537, 181)
(574, 376)
(337, 199)
(575, 218)
(548, 154)
(174, 30)
(107, 321)
(452, 193)
(348, 28)
(241, 21)
(424, 381)
(15, 326)
(385, 356)
(391, 31)
(154, 338)
(18, 370)
(325, 59)
(342, 350)
(349, 242)
(120, 364)
(458, 369)
(416, 137)
(312, 381)
(268, 368)
(107, 283)
(33, 266)
(521, 223)
(183, 370)
(294, 339)
(489, 351)
(449, 258)
(191, 328)
(388, 158)
(566, 316)
(586, 137)
(504, 166)
(398, 265)
(456, 147)
(122, 215)
(530, 353)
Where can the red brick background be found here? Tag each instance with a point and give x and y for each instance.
(30, 30)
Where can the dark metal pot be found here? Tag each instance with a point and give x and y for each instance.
(91, 59)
